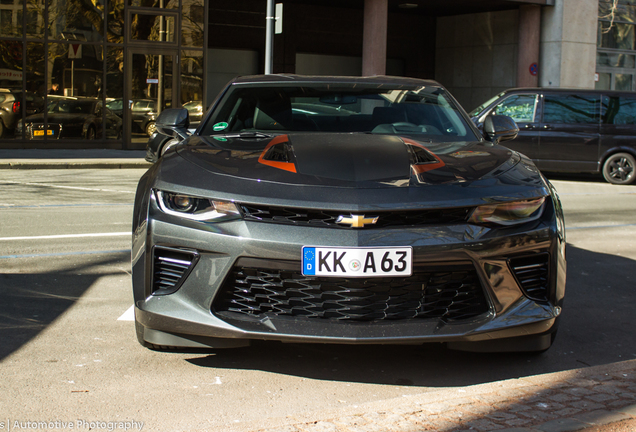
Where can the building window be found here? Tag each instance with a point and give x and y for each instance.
(616, 41)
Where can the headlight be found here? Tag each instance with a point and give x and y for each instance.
(196, 208)
(510, 213)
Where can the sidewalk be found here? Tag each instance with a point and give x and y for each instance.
(594, 399)
(77, 159)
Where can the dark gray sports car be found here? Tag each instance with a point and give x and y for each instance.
(345, 210)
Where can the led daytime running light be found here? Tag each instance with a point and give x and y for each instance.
(195, 208)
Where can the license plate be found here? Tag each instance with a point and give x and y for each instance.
(41, 132)
(357, 262)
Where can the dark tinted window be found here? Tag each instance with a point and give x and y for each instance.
(571, 109)
(619, 110)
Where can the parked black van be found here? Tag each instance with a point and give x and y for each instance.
(569, 130)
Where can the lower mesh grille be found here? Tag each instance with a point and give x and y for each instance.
(532, 274)
(170, 269)
(452, 295)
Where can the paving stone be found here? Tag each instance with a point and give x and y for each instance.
(562, 425)
(351, 421)
(538, 415)
(583, 382)
(601, 417)
(567, 412)
(483, 425)
(579, 391)
(609, 388)
(501, 416)
(563, 397)
(517, 422)
(586, 405)
(602, 397)
(517, 407)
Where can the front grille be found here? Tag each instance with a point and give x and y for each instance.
(327, 218)
(452, 294)
(532, 274)
(170, 268)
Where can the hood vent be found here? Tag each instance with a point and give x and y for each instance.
(170, 269)
(419, 155)
(279, 154)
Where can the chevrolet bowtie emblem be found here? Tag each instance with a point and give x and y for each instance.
(356, 221)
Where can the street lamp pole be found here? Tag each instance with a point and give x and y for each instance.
(269, 36)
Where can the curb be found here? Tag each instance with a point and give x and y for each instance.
(26, 164)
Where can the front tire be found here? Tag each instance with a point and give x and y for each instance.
(619, 169)
(90, 133)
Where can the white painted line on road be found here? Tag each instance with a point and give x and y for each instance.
(65, 187)
(599, 227)
(129, 315)
(66, 254)
(63, 236)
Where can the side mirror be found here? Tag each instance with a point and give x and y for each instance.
(500, 128)
(174, 122)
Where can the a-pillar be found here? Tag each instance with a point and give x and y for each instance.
(374, 37)
(529, 46)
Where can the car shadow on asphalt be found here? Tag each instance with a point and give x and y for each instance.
(33, 301)
(595, 329)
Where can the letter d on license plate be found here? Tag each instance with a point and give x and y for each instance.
(357, 262)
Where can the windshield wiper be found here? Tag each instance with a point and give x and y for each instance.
(247, 135)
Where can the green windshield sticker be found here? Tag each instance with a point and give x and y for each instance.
(220, 126)
(220, 139)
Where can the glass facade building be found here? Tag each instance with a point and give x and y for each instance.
(80, 73)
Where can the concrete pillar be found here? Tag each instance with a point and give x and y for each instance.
(529, 46)
(568, 44)
(374, 37)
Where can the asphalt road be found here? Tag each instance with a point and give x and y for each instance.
(68, 350)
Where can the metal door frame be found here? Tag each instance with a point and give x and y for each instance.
(176, 89)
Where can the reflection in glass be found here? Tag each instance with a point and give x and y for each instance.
(622, 12)
(151, 90)
(619, 36)
(520, 107)
(571, 109)
(157, 28)
(615, 60)
(75, 69)
(623, 82)
(115, 32)
(192, 23)
(192, 84)
(11, 18)
(162, 4)
(604, 81)
(76, 20)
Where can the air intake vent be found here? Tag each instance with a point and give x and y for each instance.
(532, 274)
(279, 153)
(170, 268)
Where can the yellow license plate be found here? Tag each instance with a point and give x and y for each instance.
(41, 132)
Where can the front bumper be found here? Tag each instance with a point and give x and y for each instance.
(194, 314)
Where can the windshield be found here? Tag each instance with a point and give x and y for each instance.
(423, 112)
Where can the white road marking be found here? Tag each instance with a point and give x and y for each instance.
(129, 315)
(62, 236)
(65, 187)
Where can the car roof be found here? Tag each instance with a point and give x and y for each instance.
(275, 79)
(565, 90)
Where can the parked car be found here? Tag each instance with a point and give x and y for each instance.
(195, 110)
(569, 130)
(395, 222)
(143, 112)
(11, 108)
(72, 117)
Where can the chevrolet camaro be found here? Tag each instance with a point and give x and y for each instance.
(345, 210)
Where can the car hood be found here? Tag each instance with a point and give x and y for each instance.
(346, 160)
